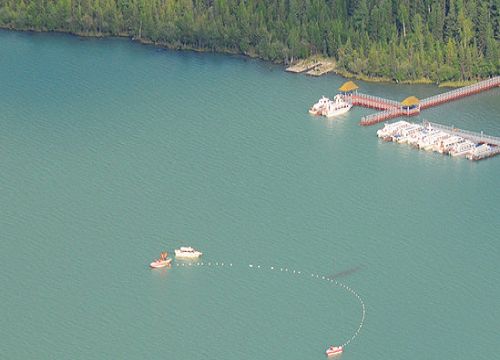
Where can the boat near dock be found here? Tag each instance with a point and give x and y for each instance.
(317, 109)
(331, 108)
(336, 107)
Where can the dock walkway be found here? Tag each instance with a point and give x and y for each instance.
(460, 93)
(373, 102)
(392, 109)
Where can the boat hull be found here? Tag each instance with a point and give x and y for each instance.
(315, 112)
(338, 112)
(187, 256)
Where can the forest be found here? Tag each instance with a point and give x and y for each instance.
(399, 40)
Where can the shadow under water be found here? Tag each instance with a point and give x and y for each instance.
(345, 273)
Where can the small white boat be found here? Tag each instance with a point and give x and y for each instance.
(337, 106)
(187, 252)
(160, 263)
(317, 108)
(334, 350)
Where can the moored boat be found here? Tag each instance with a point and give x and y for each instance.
(479, 152)
(462, 149)
(317, 109)
(334, 350)
(337, 106)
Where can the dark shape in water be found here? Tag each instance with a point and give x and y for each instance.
(345, 273)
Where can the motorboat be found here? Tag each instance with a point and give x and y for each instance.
(187, 252)
(317, 109)
(462, 149)
(403, 135)
(334, 350)
(479, 152)
(337, 106)
(445, 145)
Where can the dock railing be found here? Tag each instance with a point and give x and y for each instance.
(470, 135)
(462, 92)
(373, 102)
(381, 116)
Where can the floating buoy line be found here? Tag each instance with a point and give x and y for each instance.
(296, 272)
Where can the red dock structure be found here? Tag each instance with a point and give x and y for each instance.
(410, 106)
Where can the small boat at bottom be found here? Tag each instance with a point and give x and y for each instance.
(162, 262)
(334, 350)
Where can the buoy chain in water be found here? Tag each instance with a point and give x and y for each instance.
(293, 271)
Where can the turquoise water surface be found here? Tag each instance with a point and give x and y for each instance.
(111, 152)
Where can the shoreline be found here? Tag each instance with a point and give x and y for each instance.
(343, 73)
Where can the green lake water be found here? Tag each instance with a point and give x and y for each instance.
(111, 152)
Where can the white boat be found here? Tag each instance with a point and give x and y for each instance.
(479, 152)
(317, 109)
(160, 263)
(391, 129)
(427, 143)
(336, 107)
(462, 149)
(403, 135)
(187, 252)
(445, 145)
(334, 350)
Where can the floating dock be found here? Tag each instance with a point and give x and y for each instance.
(443, 139)
(479, 138)
(411, 106)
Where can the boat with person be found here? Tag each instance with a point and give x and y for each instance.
(162, 262)
(334, 350)
(187, 252)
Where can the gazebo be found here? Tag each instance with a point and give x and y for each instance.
(348, 88)
(410, 103)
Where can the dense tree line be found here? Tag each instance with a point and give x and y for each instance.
(398, 39)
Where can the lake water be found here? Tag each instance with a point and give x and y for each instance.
(111, 152)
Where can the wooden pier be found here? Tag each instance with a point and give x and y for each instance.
(323, 68)
(302, 66)
(460, 93)
(373, 102)
(393, 109)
